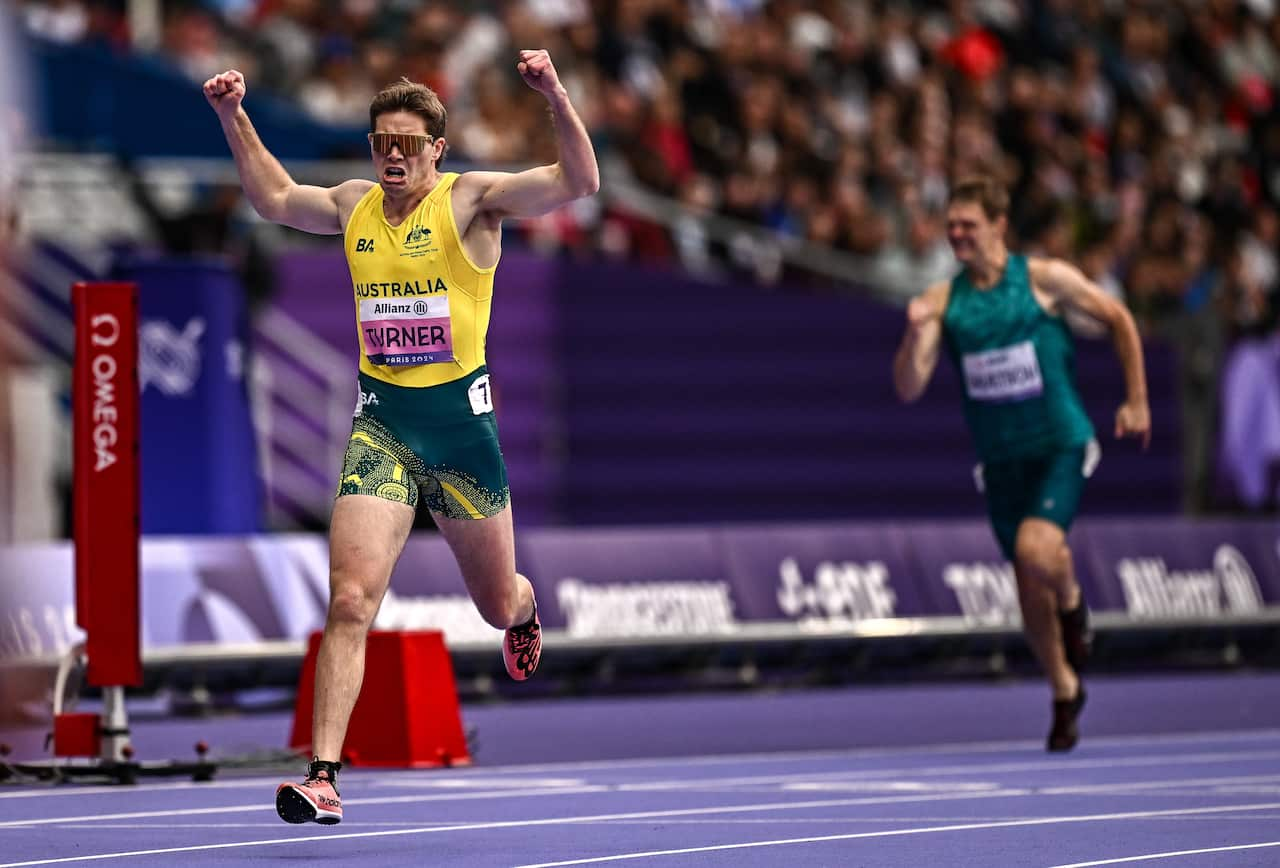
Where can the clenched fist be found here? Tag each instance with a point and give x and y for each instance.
(1133, 419)
(538, 72)
(225, 92)
(920, 313)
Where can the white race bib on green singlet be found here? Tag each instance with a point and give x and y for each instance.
(1005, 374)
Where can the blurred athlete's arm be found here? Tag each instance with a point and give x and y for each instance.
(273, 194)
(536, 191)
(917, 355)
(1067, 286)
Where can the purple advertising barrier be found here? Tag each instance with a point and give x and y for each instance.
(962, 572)
(230, 591)
(427, 593)
(625, 583)
(233, 590)
(822, 576)
(264, 588)
(664, 581)
(37, 600)
(1178, 568)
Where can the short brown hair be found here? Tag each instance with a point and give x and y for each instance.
(409, 96)
(984, 190)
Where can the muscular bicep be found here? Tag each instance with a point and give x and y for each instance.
(320, 210)
(530, 193)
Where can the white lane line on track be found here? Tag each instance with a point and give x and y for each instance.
(562, 821)
(825, 803)
(1170, 854)
(510, 824)
(965, 769)
(1106, 789)
(813, 780)
(114, 789)
(718, 821)
(1045, 821)
(197, 826)
(1142, 741)
(270, 806)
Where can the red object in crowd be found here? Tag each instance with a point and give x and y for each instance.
(1096, 141)
(1251, 184)
(1256, 93)
(671, 143)
(976, 53)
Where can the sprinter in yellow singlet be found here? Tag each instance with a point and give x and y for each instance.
(422, 246)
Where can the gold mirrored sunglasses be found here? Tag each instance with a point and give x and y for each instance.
(410, 144)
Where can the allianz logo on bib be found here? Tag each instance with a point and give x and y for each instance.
(1152, 590)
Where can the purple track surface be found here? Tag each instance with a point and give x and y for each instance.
(1171, 771)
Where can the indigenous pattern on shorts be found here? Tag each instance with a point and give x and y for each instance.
(378, 464)
(439, 442)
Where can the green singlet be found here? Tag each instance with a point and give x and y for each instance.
(1029, 426)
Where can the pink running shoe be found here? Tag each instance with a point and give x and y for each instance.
(522, 647)
(315, 800)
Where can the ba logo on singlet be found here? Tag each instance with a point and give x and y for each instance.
(364, 245)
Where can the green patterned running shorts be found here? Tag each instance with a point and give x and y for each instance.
(437, 445)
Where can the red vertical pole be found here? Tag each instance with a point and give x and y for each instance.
(105, 480)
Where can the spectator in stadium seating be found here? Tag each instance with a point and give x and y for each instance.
(1000, 322)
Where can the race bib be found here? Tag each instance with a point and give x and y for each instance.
(480, 396)
(407, 331)
(1007, 374)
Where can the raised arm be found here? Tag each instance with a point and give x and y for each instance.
(1067, 286)
(917, 355)
(536, 191)
(273, 194)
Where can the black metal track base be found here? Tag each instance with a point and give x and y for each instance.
(110, 771)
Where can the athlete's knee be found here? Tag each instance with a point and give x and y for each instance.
(1041, 550)
(351, 604)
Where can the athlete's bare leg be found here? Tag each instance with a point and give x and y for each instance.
(1042, 547)
(1046, 586)
(366, 536)
(486, 554)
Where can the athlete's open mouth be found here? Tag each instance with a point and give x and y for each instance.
(393, 173)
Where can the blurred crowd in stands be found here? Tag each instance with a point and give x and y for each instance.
(1141, 139)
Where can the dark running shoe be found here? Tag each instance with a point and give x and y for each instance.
(522, 647)
(1077, 638)
(1065, 732)
(315, 800)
